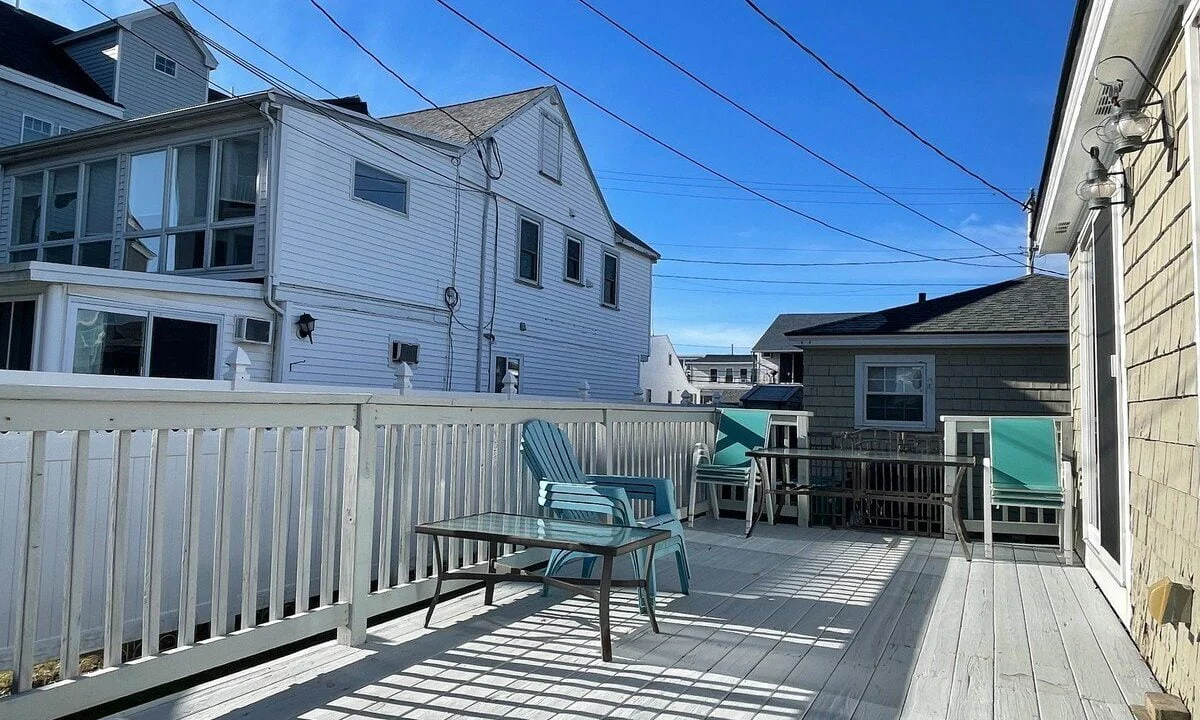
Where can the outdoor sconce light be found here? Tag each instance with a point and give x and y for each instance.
(1128, 128)
(1099, 187)
(305, 325)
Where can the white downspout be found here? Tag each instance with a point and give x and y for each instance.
(483, 246)
(278, 356)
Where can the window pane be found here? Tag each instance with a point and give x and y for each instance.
(237, 178)
(233, 246)
(185, 251)
(63, 204)
(16, 335)
(381, 188)
(28, 206)
(183, 349)
(147, 180)
(574, 266)
(610, 279)
(22, 256)
(189, 191)
(895, 408)
(95, 254)
(35, 129)
(530, 248)
(100, 208)
(62, 254)
(109, 343)
(143, 254)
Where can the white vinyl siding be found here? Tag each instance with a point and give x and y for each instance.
(894, 392)
(550, 150)
(19, 101)
(144, 88)
(97, 55)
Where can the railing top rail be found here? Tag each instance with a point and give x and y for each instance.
(984, 417)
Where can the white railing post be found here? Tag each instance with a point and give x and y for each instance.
(358, 512)
(639, 395)
(509, 384)
(404, 376)
(238, 373)
(950, 447)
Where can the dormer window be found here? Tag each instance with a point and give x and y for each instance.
(550, 153)
(164, 64)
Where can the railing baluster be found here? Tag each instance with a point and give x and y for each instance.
(29, 568)
(387, 506)
(190, 556)
(420, 497)
(218, 618)
(156, 484)
(405, 485)
(250, 529)
(75, 554)
(358, 492)
(329, 518)
(304, 527)
(280, 515)
(118, 542)
(453, 491)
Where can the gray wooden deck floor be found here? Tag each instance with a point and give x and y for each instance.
(790, 623)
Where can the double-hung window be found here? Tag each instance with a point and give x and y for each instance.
(894, 391)
(65, 215)
(610, 288)
(192, 207)
(529, 251)
(33, 128)
(380, 187)
(144, 344)
(573, 260)
(550, 151)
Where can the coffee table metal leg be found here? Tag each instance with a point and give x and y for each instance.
(489, 585)
(646, 589)
(605, 591)
(437, 584)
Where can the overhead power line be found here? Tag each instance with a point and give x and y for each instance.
(609, 171)
(870, 100)
(710, 184)
(781, 133)
(799, 201)
(679, 153)
(774, 263)
(831, 283)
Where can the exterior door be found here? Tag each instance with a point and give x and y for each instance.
(1106, 484)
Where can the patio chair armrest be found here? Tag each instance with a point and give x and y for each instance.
(566, 499)
(659, 490)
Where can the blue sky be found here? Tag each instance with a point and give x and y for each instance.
(978, 78)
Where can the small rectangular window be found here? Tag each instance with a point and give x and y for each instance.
(670, 397)
(611, 286)
(550, 152)
(712, 375)
(164, 64)
(108, 343)
(503, 365)
(33, 128)
(16, 334)
(573, 270)
(380, 187)
(728, 375)
(894, 392)
(743, 375)
(529, 254)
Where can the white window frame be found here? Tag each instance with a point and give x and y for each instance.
(616, 305)
(122, 308)
(929, 391)
(567, 240)
(541, 251)
(174, 66)
(407, 188)
(548, 118)
(1191, 43)
(81, 193)
(26, 117)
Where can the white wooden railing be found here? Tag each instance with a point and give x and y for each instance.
(154, 530)
(970, 435)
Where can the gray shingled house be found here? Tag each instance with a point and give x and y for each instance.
(993, 350)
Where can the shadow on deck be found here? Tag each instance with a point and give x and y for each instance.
(790, 623)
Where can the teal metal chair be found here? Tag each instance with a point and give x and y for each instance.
(569, 493)
(1026, 469)
(727, 464)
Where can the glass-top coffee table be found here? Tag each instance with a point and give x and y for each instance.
(606, 541)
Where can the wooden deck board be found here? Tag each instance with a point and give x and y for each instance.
(791, 622)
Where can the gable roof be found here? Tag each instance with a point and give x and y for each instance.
(1028, 304)
(775, 338)
(719, 358)
(127, 20)
(623, 233)
(27, 45)
(479, 115)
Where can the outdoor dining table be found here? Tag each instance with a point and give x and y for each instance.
(607, 541)
(863, 459)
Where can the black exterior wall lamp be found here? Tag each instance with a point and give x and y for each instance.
(305, 326)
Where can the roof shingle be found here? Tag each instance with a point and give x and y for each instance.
(775, 338)
(478, 115)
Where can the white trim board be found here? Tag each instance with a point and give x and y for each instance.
(932, 340)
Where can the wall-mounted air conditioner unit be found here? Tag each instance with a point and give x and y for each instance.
(252, 330)
(403, 352)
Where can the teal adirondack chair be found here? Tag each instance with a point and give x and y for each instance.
(567, 492)
(738, 431)
(1026, 469)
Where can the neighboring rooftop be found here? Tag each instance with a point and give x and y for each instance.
(478, 115)
(1028, 304)
(716, 358)
(775, 339)
(623, 232)
(27, 46)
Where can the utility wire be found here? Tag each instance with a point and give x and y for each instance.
(607, 171)
(821, 264)
(799, 201)
(832, 283)
(393, 73)
(676, 151)
(708, 184)
(775, 129)
(886, 113)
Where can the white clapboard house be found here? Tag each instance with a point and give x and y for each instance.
(327, 244)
